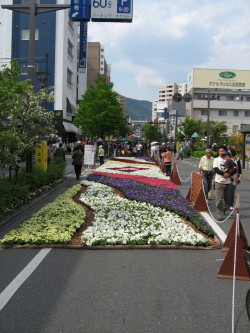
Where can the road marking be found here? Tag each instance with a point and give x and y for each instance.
(10, 290)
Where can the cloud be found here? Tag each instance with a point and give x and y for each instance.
(168, 38)
(143, 76)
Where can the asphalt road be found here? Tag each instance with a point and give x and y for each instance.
(130, 291)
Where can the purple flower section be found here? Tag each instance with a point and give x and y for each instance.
(170, 199)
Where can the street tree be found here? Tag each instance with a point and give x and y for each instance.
(100, 113)
(24, 122)
(190, 126)
(236, 140)
(151, 132)
(218, 131)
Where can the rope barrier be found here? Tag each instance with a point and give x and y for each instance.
(184, 181)
(210, 213)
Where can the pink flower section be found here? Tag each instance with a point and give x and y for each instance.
(146, 180)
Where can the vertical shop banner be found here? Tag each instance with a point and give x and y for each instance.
(41, 152)
(83, 45)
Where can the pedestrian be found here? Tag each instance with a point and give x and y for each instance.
(138, 149)
(223, 183)
(101, 154)
(152, 150)
(77, 158)
(206, 170)
(119, 149)
(236, 178)
(60, 152)
(167, 159)
(180, 152)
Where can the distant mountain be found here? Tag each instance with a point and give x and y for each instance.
(138, 110)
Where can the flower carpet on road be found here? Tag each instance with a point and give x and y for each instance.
(119, 221)
(135, 169)
(150, 213)
(126, 201)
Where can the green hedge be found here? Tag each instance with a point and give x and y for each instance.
(187, 152)
(199, 153)
(16, 191)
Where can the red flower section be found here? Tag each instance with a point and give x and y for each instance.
(129, 161)
(128, 169)
(146, 180)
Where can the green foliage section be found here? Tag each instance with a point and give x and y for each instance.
(187, 152)
(189, 127)
(100, 113)
(24, 122)
(151, 132)
(17, 191)
(53, 224)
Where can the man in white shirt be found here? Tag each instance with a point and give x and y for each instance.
(222, 183)
(206, 170)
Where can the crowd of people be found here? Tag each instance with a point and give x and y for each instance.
(223, 173)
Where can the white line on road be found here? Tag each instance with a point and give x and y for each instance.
(219, 232)
(10, 290)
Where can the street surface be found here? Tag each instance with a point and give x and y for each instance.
(120, 291)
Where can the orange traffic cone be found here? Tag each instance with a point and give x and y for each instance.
(241, 270)
(163, 167)
(200, 204)
(174, 176)
(231, 237)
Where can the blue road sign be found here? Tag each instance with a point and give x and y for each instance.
(79, 10)
(124, 6)
(112, 10)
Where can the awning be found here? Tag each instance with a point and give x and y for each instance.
(69, 127)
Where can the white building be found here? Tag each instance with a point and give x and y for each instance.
(182, 88)
(5, 33)
(228, 92)
(166, 93)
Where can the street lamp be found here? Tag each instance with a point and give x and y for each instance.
(43, 78)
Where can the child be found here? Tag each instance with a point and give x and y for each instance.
(229, 164)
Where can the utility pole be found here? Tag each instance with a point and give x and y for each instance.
(208, 118)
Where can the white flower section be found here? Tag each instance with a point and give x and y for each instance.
(134, 169)
(121, 221)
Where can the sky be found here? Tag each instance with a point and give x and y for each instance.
(168, 38)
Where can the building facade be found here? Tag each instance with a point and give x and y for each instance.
(224, 94)
(56, 47)
(166, 93)
(96, 63)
